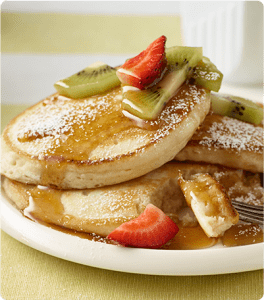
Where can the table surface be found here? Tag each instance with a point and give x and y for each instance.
(30, 274)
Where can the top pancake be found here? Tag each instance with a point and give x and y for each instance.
(87, 143)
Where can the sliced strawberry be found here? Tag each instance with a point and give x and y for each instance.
(151, 229)
(145, 68)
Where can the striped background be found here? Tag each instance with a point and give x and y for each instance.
(75, 33)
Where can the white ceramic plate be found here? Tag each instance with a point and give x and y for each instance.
(215, 260)
(43, 71)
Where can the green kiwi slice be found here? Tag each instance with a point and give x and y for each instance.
(207, 75)
(95, 79)
(180, 56)
(237, 107)
(147, 104)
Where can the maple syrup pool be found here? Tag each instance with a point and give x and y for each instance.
(44, 207)
(188, 238)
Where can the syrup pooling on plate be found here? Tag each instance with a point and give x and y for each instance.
(80, 234)
(45, 203)
(243, 234)
(190, 238)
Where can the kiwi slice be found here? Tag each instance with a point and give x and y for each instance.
(95, 79)
(180, 56)
(147, 104)
(237, 107)
(207, 75)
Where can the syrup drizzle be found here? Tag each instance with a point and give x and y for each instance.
(61, 124)
(190, 238)
(45, 207)
(62, 131)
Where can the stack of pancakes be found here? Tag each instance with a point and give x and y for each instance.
(83, 165)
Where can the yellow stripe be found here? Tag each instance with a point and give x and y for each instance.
(69, 33)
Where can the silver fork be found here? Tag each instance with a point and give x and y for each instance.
(249, 213)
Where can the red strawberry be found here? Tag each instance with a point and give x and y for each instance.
(145, 68)
(151, 229)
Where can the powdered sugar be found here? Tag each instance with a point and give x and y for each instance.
(180, 106)
(81, 129)
(233, 134)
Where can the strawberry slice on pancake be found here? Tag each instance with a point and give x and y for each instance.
(152, 229)
(147, 67)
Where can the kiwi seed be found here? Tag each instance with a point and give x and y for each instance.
(95, 79)
(237, 107)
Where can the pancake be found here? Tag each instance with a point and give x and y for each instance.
(88, 143)
(226, 141)
(101, 210)
(210, 204)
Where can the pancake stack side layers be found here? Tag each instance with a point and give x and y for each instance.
(83, 164)
(101, 210)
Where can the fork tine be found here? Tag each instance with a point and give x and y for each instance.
(250, 219)
(249, 213)
(249, 210)
(249, 206)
